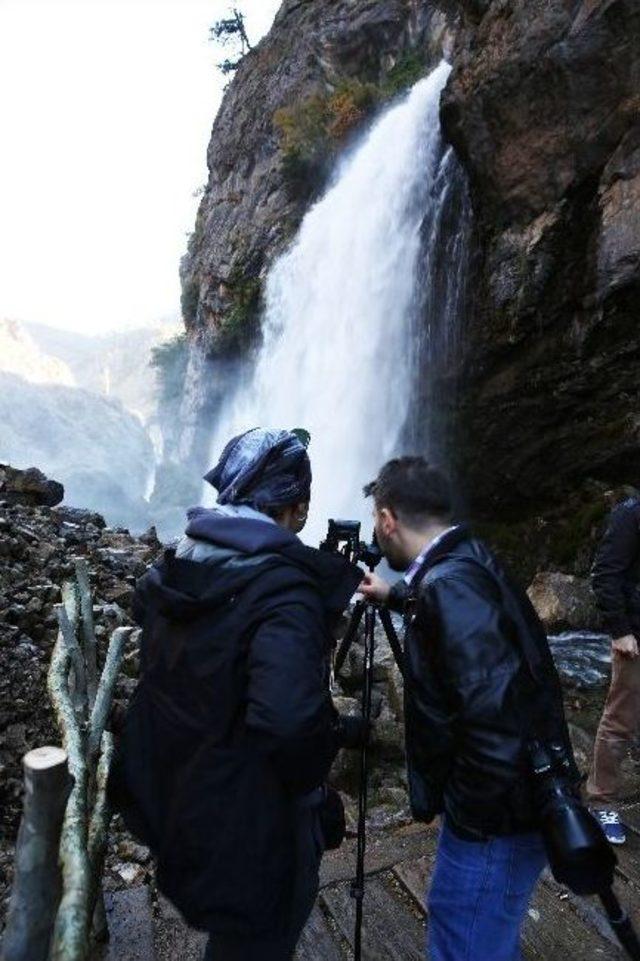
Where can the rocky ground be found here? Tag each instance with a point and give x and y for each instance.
(38, 543)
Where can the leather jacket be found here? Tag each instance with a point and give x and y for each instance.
(616, 570)
(480, 683)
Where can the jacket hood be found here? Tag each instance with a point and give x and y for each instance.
(247, 535)
(239, 550)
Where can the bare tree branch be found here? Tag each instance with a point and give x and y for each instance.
(88, 629)
(70, 933)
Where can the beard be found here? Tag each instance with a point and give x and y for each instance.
(396, 563)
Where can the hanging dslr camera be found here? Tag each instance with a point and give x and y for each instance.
(580, 856)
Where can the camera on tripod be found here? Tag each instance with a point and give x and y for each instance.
(343, 537)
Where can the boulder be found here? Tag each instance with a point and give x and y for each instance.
(564, 602)
(29, 487)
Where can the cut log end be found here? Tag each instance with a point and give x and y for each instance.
(44, 758)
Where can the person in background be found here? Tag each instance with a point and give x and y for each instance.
(472, 708)
(616, 584)
(231, 733)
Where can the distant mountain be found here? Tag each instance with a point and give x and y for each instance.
(99, 451)
(84, 409)
(113, 365)
(21, 354)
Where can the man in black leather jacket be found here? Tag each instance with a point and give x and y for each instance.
(473, 647)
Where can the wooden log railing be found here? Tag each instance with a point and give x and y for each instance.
(57, 890)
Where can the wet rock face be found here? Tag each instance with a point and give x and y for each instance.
(542, 108)
(29, 487)
(541, 96)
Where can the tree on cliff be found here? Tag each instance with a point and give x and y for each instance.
(231, 29)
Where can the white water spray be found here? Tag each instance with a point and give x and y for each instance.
(336, 357)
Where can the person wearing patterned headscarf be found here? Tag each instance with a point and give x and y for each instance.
(231, 733)
(268, 470)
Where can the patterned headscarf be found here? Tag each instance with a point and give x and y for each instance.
(263, 468)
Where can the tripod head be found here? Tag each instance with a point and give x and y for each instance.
(343, 537)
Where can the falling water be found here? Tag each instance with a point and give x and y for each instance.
(436, 342)
(339, 322)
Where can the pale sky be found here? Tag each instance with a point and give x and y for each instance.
(105, 115)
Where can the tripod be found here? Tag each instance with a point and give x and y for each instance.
(620, 923)
(368, 611)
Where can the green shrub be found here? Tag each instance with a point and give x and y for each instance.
(349, 106)
(303, 126)
(312, 130)
(241, 319)
(404, 74)
(170, 360)
(302, 172)
(189, 297)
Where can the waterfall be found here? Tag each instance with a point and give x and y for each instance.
(340, 311)
(437, 337)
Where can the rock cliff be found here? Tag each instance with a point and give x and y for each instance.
(295, 102)
(543, 108)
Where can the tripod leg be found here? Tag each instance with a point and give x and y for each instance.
(392, 637)
(357, 887)
(620, 924)
(347, 640)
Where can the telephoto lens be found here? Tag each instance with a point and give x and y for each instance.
(579, 854)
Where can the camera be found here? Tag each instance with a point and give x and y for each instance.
(579, 854)
(343, 537)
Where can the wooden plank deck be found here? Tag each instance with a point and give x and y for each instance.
(553, 929)
(559, 926)
(392, 930)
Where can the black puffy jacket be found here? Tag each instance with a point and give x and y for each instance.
(615, 574)
(472, 703)
(232, 717)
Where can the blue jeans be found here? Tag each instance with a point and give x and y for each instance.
(479, 896)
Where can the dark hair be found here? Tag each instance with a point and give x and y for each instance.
(414, 490)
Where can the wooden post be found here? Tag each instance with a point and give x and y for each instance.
(36, 886)
(58, 888)
(70, 933)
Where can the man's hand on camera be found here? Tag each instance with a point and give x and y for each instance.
(374, 588)
(626, 646)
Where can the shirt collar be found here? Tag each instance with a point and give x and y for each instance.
(422, 556)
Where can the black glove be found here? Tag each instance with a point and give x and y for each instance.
(351, 731)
